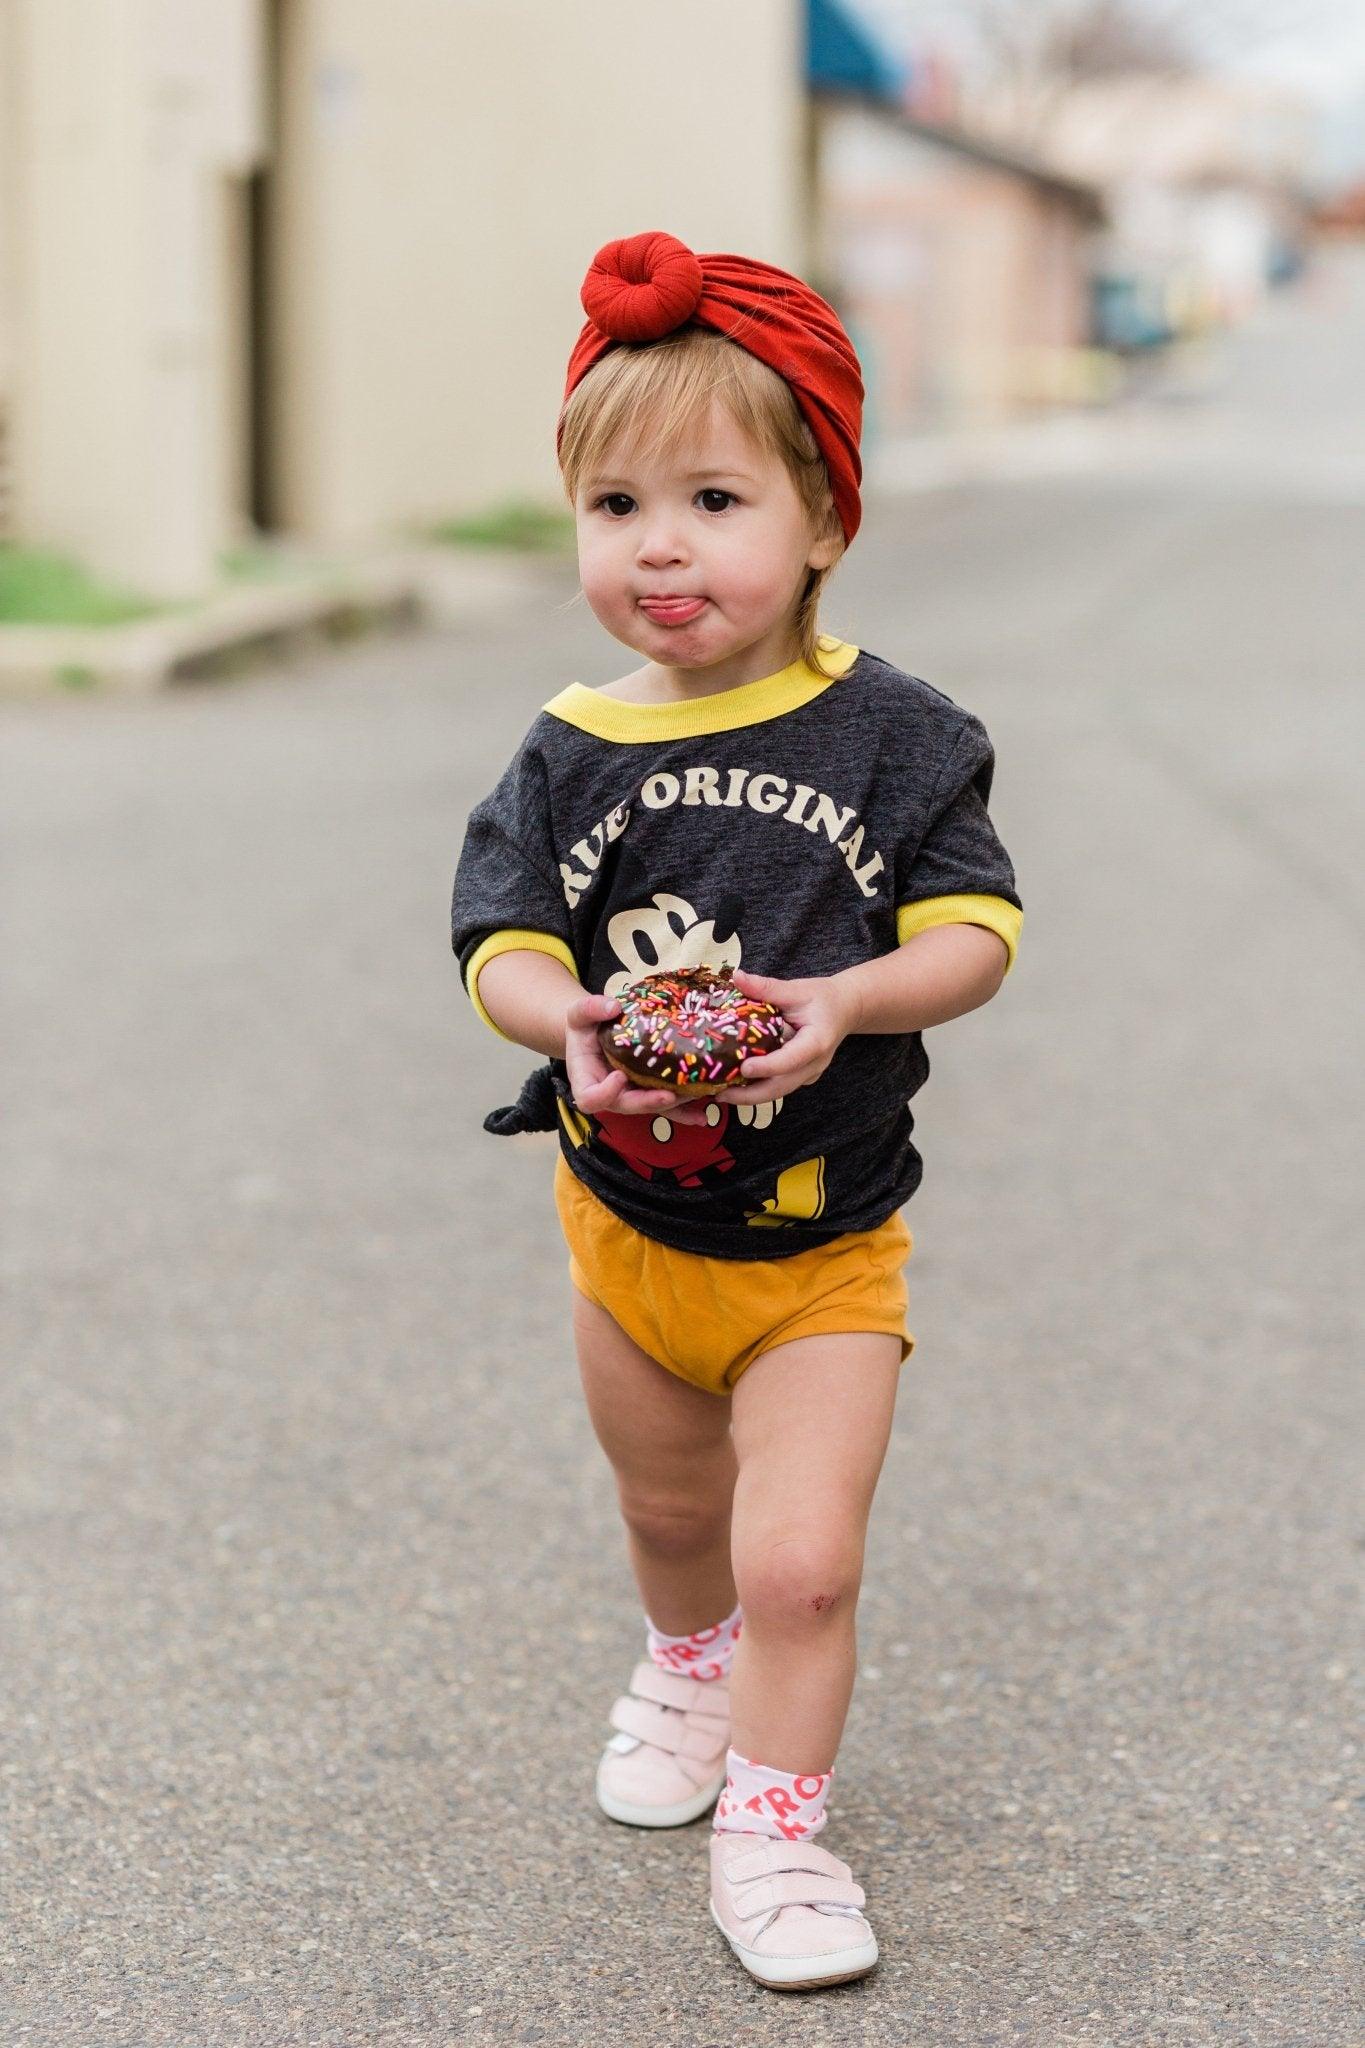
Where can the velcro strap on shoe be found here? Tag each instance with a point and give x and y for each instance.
(665, 1730)
(768, 1858)
(710, 1696)
(797, 1888)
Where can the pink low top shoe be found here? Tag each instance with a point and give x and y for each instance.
(790, 1911)
(665, 1765)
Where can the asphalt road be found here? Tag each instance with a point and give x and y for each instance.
(314, 1596)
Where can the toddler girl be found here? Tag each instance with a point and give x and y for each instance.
(757, 796)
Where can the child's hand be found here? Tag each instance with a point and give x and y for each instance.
(597, 1086)
(819, 1016)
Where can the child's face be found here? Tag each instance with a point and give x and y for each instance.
(717, 530)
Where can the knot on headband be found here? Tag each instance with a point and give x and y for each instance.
(641, 288)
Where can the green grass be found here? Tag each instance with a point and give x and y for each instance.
(516, 524)
(38, 588)
(271, 562)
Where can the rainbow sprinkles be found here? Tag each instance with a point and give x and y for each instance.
(690, 1030)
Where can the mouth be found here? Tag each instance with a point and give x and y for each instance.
(672, 611)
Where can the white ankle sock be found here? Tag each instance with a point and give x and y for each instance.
(758, 1800)
(706, 1654)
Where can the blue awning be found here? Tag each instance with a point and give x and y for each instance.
(843, 54)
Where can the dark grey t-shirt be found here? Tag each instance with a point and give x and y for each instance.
(793, 826)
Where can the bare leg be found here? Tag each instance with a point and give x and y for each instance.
(669, 1445)
(811, 1425)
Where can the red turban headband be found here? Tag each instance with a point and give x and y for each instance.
(640, 289)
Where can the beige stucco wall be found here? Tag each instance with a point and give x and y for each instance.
(128, 117)
(8, 170)
(76, 425)
(446, 173)
(9, 167)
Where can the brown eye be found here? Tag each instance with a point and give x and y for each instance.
(727, 498)
(617, 504)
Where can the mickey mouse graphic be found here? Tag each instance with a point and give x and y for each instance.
(661, 1146)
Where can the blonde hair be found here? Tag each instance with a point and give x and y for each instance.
(653, 398)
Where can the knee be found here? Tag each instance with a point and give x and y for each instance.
(672, 1529)
(797, 1581)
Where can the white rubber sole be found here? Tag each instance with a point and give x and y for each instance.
(661, 1816)
(803, 1973)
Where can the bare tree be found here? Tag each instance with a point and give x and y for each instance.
(1034, 53)
(1108, 37)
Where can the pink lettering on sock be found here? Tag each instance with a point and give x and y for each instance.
(704, 1654)
(760, 1799)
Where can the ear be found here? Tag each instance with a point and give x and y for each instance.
(826, 550)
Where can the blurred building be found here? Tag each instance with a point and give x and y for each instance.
(445, 174)
(9, 297)
(1206, 183)
(314, 264)
(962, 268)
(1343, 213)
(129, 135)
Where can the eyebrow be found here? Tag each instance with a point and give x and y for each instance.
(595, 483)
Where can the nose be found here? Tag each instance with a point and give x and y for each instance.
(660, 545)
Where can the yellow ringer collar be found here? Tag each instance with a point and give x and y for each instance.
(613, 718)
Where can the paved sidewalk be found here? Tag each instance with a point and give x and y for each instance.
(303, 1519)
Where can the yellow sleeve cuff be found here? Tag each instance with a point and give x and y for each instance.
(992, 911)
(511, 942)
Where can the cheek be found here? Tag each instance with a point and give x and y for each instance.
(602, 570)
(754, 576)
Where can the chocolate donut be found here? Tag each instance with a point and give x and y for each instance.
(689, 1030)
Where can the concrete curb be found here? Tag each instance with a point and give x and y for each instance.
(439, 587)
